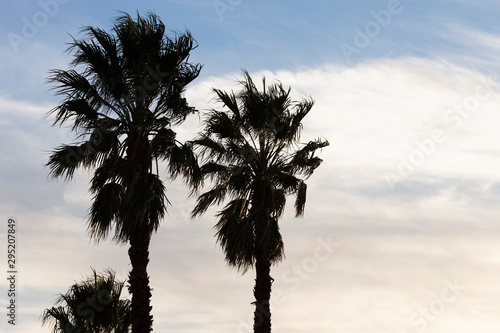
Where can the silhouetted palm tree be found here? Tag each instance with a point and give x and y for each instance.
(91, 306)
(253, 157)
(122, 97)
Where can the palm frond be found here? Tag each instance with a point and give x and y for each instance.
(220, 125)
(300, 200)
(235, 234)
(207, 145)
(106, 209)
(304, 161)
(213, 170)
(65, 159)
(229, 100)
(268, 239)
(182, 161)
(205, 200)
(143, 205)
(157, 205)
(77, 110)
(74, 85)
(292, 132)
(162, 142)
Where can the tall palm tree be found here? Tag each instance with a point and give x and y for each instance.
(91, 306)
(253, 157)
(122, 97)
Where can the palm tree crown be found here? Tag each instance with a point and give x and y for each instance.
(122, 97)
(91, 306)
(253, 158)
(122, 104)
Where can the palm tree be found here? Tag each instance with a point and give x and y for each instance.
(91, 306)
(252, 155)
(122, 96)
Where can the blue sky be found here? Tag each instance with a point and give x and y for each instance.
(235, 34)
(401, 227)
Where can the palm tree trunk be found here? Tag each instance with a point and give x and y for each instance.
(142, 320)
(262, 293)
(140, 237)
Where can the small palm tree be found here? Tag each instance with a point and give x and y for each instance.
(122, 97)
(91, 306)
(252, 155)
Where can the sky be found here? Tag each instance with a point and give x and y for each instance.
(400, 233)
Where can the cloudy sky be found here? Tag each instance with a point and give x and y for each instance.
(401, 229)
